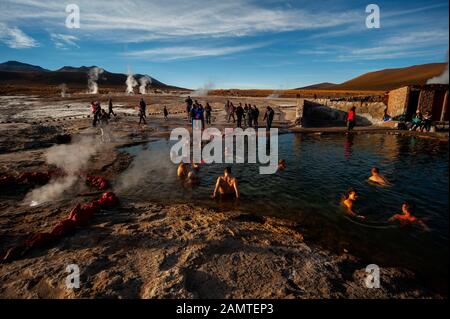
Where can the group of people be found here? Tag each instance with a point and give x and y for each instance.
(101, 118)
(100, 115)
(422, 122)
(407, 210)
(248, 115)
(196, 111)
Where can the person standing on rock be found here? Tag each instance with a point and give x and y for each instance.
(351, 119)
(142, 108)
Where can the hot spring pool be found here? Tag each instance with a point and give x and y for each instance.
(319, 170)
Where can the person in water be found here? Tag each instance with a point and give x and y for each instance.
(281, 165)
(348, 201)
(192, 179)
(183, 170)
(377, 177)
(406, 216)
(226, 185)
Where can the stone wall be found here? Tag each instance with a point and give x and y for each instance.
(372, 111)
(398, 101)
(426, 100)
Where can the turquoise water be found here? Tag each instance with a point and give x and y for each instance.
(319, 170)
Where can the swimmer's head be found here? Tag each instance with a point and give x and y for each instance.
(408, 208)
(351, 194)
(282, 163)
(227, 170)
(375, 171)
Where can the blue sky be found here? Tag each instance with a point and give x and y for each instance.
(227, 44)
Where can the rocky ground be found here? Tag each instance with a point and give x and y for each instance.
(149, 250)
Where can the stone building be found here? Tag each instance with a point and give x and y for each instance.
(425, 98)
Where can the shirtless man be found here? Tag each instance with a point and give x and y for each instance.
(226, 184)
(406, 218)
(377, 177)
(348, 201)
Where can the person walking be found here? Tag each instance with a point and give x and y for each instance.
(110, 109)
(142, 109)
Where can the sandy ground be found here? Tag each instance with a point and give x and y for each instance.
(149, 250)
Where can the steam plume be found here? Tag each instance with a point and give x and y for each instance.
(144, 81)
(441, 79)
(71, 158)
(93, 78)
(142, 168)
(204, 90)
(130, 82)
(63, 88)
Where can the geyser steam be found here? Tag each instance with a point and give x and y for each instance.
(131, 82)
(441, 79)
(63, 88)
(144, 81)
(71, 158)
(204, 90)
(93, 75)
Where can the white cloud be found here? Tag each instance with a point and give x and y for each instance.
(139, 20)
(64, 41)
(184, 52)
(15, 38)
(404, 44)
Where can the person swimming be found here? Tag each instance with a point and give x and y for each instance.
(183, 170)
(377, 177)
(281, 165)
(226, 185)
(348, 200)
(406, 217)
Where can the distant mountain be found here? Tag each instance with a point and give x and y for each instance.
(74, 69)
(389, 79)
(318, 86)
(15, 66)
(22, 74)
